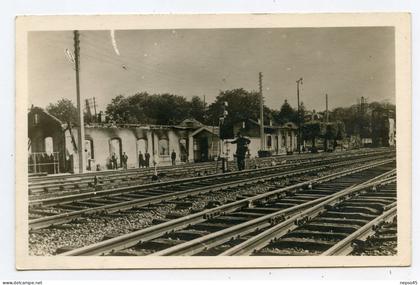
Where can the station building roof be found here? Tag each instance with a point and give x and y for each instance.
(187, 124)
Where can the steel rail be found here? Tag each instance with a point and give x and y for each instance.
(66, 179)
(141, 202)
(261, 240)
(33, 181)
(155, 231)
(108, 177)
(109, 192)
(203, 165)
(214, 239)
(344, 247)
(135, 175)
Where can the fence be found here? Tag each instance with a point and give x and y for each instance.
(41, 162)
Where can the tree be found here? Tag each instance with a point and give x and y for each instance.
(311, 131)
(380, 126)
(197, 109)
(329, 132)
(142, 108)
(332, 131)
(242, 105)
(64, 110)
(118, 110)
(167, 109)
(301, 113)
(340, 133)
(364, 124)
(286, 114)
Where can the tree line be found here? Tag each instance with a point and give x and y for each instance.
(169, 109)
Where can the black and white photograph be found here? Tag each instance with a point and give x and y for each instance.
(268, 141)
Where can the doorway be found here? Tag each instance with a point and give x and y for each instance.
(204, 149)
(115, 147)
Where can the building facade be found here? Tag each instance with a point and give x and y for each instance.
(277, 139)
(52, 144)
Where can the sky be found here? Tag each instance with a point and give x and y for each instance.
(345, 62)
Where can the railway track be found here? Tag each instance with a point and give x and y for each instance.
(203, 231)
(80, 182)
(53, 211)
(380, 239)
(59, 185)
(96, 193)
(329, 228)
(345, 246)
(62, 177)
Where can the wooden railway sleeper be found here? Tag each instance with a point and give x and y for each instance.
(330, 207)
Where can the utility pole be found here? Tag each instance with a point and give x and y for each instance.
(81, 131)
(326, 108)
(326, 119)
(88, 110)
(300, 81)
(261, 113)
(94, 107)
(362, 105)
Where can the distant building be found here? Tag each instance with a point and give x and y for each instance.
(313, 116)
(277, 139)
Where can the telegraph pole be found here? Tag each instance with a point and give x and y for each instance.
(261, 112)
(326, 117)
(300, 81)
(326, 108)
(94, 107)
(88, 110)
(81, 131)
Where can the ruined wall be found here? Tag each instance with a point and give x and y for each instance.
(101, 138)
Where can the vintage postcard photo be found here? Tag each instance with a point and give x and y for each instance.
(206, 141)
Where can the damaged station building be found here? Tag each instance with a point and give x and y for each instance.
(52, 144)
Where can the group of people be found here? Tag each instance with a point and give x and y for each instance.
(114, 161)
(144, 160)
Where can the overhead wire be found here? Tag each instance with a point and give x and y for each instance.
(123, 58)
(93, 42)
(98, 47)
(102, 55)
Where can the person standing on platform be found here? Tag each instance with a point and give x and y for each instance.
(124, 160)
(241, 150)
(141, 160)
(173, 157)
(52, 168)
(147, 159)
(114, 161)
(96, 182)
